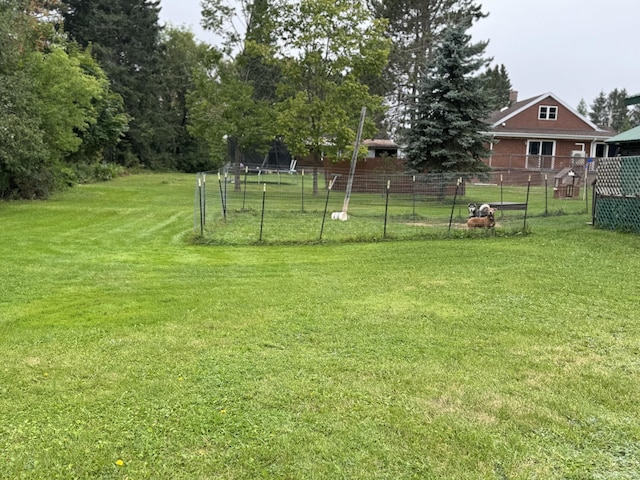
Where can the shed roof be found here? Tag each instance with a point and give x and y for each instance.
(632, 100)
(632, 135)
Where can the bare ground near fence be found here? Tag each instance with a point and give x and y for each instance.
(290, 208)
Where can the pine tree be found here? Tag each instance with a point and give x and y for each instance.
(634, 116)
(599, 113)
(611, 110)
(125, 35)
(497, 86)
(582, 108)
(619, 112)
(446, 135)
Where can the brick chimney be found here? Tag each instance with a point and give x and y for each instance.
(513, 97)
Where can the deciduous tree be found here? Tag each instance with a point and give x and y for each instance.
(326, 49)
(50, 100)
(233, 97)
(125, 38)
(182, 58)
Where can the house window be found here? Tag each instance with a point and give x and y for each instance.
(539, 147)
(540, 154)
(547, 113)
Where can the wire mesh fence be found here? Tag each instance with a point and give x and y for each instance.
(617, 203)
(306, 207)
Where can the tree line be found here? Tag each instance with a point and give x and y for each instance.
(610, 110)
(91, 87)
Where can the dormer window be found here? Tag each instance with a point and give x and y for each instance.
(547, 113)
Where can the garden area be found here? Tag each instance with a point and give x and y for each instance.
(134, 346)
(281, 208)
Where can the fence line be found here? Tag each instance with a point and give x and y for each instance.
(292, 207)
(617, 201)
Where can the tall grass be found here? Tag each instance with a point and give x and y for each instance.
(129, 352)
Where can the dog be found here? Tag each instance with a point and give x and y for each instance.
(484, 209)
(488, 221)
(473, 208)
(475, 211)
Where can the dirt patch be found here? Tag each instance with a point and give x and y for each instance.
(441, 225)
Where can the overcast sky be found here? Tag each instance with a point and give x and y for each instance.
(573, 48)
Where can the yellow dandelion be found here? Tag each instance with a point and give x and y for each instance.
(119, 462)
(223, 411)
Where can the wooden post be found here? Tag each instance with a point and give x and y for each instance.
(354, 159)
(326, 206)
(386, 208)
(526, 206)
(264, 194)
(453, 207)
(244, 197)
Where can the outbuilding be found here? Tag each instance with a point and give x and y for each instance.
(566, 184)
(626, 144)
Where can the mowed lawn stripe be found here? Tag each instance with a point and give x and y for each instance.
(490, 357)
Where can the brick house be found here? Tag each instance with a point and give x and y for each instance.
(543, 133)
(382, 156)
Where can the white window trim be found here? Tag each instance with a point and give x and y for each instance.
(537, 160)
(553, 152)
(548, 110)
(595, 147)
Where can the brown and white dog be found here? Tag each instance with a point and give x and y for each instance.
(483, 222)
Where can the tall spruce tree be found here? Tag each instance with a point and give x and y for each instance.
(414, 28)
(611, 110)
(446, 134)
(125, 35)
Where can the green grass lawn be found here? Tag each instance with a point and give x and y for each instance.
(131, 352)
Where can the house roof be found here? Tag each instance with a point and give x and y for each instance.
(497, 118)
(632, 135)
(588, 135)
